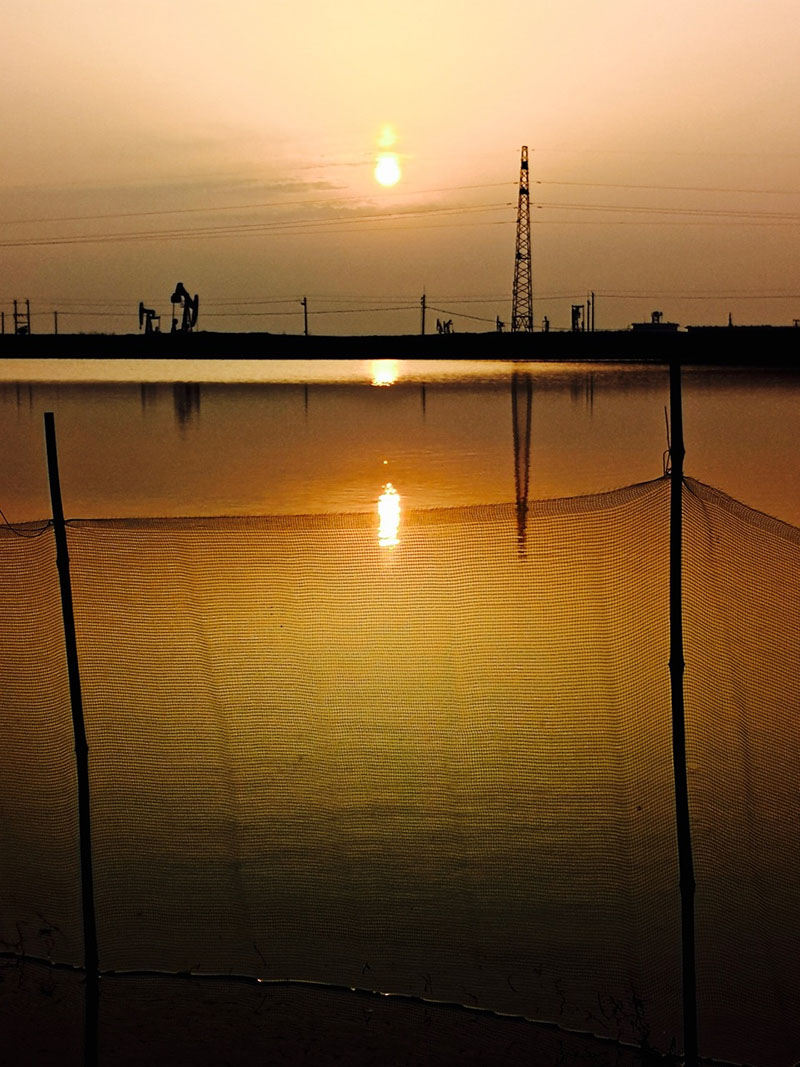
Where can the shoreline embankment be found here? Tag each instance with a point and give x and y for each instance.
(706, 345)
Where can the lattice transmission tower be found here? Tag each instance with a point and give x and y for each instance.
(522, 302)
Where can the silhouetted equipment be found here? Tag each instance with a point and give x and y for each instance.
(190, 305)
(22, 319)
(655, 325)
(422, 306)
(583, 315)
(149, 319)
(522, 302)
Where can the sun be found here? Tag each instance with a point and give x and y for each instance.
(387, 169)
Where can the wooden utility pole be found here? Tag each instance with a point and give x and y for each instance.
(304, 302)
(422, 305)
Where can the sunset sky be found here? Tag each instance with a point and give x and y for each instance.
(233, 147)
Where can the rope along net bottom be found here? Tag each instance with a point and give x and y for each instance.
(440, 769)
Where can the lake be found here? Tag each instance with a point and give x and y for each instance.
(349, 740)
(295, 437)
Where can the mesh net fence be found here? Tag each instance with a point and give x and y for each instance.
(440, 769)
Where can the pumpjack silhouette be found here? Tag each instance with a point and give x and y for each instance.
(189, 304)
(149, 318)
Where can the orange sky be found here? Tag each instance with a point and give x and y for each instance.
(232, 146)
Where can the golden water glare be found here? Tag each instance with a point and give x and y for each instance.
(388, 516)
(384, 371)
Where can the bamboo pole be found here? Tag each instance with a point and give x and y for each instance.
(676, 670)
(90, 954)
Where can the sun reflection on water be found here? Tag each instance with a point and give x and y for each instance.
(384, 371)
(388, 516)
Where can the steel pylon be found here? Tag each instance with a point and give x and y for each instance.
(522, 302)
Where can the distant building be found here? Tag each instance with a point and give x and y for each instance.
(655, 325)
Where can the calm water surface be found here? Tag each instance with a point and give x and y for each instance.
(142, 438)
(448, 760)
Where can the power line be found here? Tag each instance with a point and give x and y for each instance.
(461, 314)
(314, 201)
(698, 296)
(211, 209)
(315, 311)
(683, 223)
(79, 307)
(673, 188)
(279, 228)
(723, 213)
(357, 223)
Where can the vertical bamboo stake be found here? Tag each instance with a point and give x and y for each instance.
(676, 669)
(81, 750)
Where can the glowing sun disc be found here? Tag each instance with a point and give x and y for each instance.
(387, 169)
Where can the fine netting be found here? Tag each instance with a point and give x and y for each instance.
(742, 628)
(441, 768)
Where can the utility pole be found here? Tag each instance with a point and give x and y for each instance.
(304, 302)
(55, 323)
(22, 319)
(522, 302)
(422, 308)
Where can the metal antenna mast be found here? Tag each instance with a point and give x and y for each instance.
(522, 303)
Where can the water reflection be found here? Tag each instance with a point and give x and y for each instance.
(388, 516)
(583, 389)
(384, 371)
(29, 393)
(521, 411)
(148, 395)
(186, 399)
(251, 448)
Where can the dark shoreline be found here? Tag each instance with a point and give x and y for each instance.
(706, 345)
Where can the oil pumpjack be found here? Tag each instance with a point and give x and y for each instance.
(149, 319)
(189, 304)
